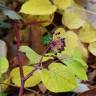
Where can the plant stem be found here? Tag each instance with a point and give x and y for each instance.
(30, 90)
(21, 88)
(38, 66)
(37, 22)
(23, 79)
(44, 54)
(16, 28)
(30, 74)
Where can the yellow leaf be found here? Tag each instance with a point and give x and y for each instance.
(31, 82)
(47, 18)
(83, 50)
(62, 4)
(39, 18)
(46, 58)
(71, 19)
(38, 7)
(92, 48)
(72, 42)
(59, 33)
(87, 34)
(4, 64)
(4, 85)
(57, 78)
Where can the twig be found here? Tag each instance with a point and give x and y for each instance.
(37, 66)
(30, 90)
(44, 54)
(37, 22)
(30, 74)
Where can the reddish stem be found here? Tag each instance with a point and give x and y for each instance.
(23, 79)
(38, 66)
(16, 28)
(37, 22)
(30, 74)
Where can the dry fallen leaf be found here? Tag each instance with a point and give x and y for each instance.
(31, 94)
(3, 48)
(42, 88)
(89, 93)
(82, 2)
(92, 15)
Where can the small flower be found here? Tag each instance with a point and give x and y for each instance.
(57, 45)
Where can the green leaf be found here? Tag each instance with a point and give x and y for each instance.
(75, 62)
(57, 78)
(30, 82)
(77, 69)
(3, 94)
(32, 55)
(77, 56)
(46, 39)
(3, 65)
(37, 7)
(72, 42)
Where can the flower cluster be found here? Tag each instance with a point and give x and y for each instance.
(57, 45)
